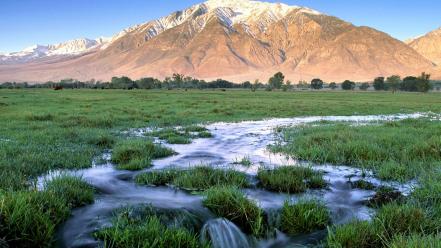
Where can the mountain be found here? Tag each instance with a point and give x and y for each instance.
(235, 40)
(428, 45)
(68, 48)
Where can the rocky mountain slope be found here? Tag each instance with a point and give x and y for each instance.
(428, 45)
(235, 40)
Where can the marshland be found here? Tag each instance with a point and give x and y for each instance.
(211, 168)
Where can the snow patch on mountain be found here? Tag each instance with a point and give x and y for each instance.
(229, 12)
(68, 48)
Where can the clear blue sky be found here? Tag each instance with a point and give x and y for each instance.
(27, 22)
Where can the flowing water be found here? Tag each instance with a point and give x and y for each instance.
(230, 142)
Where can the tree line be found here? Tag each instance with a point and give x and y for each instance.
(394, 83)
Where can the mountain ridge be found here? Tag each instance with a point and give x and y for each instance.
(428, 45)
(236, 40)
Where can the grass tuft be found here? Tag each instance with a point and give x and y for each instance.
(245, 161)
(360, 234)
(362, 184)
(29, 219)
(385, 195)
(149, 231)
(40, 117)
(391, 220)
(137, 154)
(182, 135)
(73, 190)
(304, 216)
(197, 178)
(290, 179)
(232, 204)
(416, 241)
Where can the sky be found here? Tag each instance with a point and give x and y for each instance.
(27, 22)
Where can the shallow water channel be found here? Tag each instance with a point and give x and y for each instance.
(230, 142)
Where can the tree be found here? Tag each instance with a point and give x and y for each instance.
(317, 84)
(379, 83)
(276, 81)
(177, 80)
(409, 84)
(122, 83)
(246, 85)
(255, 85)
(302, 84)
(286, 86)
(424, 84)
(348, 85)
(364, 86)
(393, 83)
(333, 85)
(146, 83)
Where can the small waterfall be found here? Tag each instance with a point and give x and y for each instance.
(224, 234)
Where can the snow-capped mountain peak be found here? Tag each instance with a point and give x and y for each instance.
(230, 12)
(247, 10)
(68, 48)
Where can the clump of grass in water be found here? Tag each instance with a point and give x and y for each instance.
(290, 179)
(157, 178)
(204, 135)
(195, 129)
(304, 216)
(245, 161)
(397, 151)
(362, 184)
(391, 220)
(232, 204)
(197, 178)
(182, 135)
(385, 195)
(360, 234)
(137, 154)
(29, 219)
(173, 136)
(73, 190)
(148, 231)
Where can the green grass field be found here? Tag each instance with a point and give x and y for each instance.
(42, 130)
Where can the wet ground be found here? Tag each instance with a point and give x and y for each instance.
(230, 142)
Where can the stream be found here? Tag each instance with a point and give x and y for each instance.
(230, 142)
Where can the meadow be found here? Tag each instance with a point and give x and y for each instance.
(43, 130)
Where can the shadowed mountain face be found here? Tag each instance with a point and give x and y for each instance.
(235, 40)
